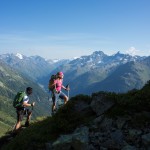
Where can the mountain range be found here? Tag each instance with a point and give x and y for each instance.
(86, 74)
(98, 71)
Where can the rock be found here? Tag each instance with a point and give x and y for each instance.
(134, 132)
(146, 140)
(63, 143)
(101, 104)
(78, 140)
(118, 137)
(110, 144)
(98, 120)
(106, 124)
(48, 146)
(129, 147)
(120, 122)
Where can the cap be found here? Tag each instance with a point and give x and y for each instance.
(60, 73)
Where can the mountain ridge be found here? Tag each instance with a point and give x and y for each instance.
(82, 72)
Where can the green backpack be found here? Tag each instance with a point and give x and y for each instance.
(18, 100)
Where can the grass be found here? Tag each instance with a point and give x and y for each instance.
(4, 128)
(48, 129)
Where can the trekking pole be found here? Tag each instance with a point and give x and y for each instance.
(32, 106)
(13, 128)
(67, 86)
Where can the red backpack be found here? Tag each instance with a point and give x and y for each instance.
(51, 85)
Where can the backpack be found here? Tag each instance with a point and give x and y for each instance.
(18, 100)
(51, 85)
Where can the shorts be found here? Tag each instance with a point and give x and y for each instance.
(56, 96)
(21, 112)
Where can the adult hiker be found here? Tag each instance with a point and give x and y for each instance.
(57, 93)
(23, 109)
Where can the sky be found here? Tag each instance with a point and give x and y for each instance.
(62, 29)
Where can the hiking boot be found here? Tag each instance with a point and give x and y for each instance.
(55, 110)
(14, 133)
(52, 113)
(27, 124)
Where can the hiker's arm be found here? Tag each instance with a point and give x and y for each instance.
(27, 104)
(64, 87)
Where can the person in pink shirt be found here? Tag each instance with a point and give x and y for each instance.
(57, 93)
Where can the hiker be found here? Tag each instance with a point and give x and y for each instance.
(23, 110)
(57, 93)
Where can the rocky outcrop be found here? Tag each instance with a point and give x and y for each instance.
(78, 140)
(104, 133)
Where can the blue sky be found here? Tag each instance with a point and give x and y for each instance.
(72, 28)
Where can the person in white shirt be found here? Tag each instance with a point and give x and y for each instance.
(22, 111)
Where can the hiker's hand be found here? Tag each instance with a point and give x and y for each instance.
(33, 104)
(55, 91)
(67, 88)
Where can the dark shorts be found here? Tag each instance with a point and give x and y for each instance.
(55, 97)
(22, 112)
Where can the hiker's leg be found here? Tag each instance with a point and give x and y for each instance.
(64, 97)
(19, 119)
(54, 102)
(53, 107)
(18, 125)
(29, 114)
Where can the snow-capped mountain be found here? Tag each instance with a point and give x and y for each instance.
(20, 56)
(82, 72)
(98, 58)
(97, 61)
(33, 67)
(58, 62)
(131, 75)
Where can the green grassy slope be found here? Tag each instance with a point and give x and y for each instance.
(49, 128)
(10, 83)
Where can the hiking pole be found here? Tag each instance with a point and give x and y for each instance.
(67, 86)
(32, 105)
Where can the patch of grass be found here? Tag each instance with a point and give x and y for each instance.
(116, 111)
(133, 101)
(140, 120)
(3, 128)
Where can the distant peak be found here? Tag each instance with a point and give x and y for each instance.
(98, 52)
(56, 60)
(75, 57)
(20, 56)
(118, 54)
